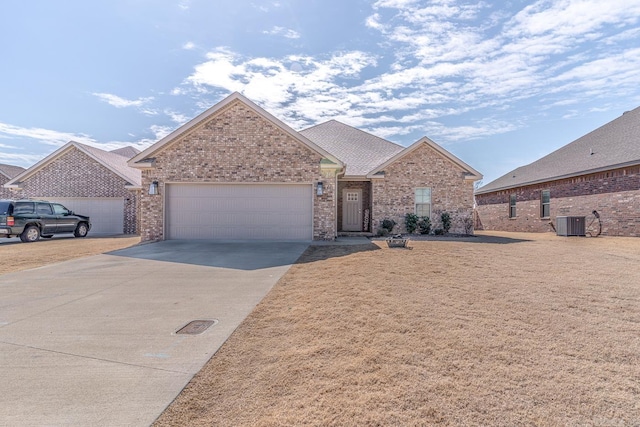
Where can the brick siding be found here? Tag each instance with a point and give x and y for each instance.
(614, 194)
(237, 145)
(74, 174)
(394, 196)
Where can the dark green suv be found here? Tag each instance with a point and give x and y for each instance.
(31, 219)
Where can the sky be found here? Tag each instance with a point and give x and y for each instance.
(497, 83)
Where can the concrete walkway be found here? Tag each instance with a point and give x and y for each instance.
(93, 341)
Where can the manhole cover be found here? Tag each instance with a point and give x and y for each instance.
(196, 327)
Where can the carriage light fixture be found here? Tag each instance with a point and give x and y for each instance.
(153, 188)
(319, 188)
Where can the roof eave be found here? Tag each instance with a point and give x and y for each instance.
(559, 177)
(202, 117)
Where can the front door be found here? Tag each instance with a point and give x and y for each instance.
(351, 210)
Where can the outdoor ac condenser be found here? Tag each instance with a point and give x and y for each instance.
(570, 226)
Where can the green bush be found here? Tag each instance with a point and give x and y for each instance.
(411, 222)
(388, 224)
(424, 225)
(446, 221)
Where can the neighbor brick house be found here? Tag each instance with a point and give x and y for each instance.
(237, 172)
(599, 171)
(88, 181)
(6, 173)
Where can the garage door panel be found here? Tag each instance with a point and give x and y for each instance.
(243, 211)
(106, 213)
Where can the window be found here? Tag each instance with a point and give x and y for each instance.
(59, 209)
(545, 203)
(24, 208)
(423, 201)
(512, 206)
(44, 209)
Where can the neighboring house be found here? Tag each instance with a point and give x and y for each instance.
(599, 171)
(88, 181)
(6, 173)
(237, 172)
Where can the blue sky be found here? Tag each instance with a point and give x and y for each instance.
(499, 84)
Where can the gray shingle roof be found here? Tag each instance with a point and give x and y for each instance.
(359, 150)
(10, 171)
(127, 151)
(115, 162)
(614, 145)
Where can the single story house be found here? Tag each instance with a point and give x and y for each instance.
(89, 181)
(599, 171)
(6, 173)
(237, 172)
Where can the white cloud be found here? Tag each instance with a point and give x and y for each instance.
(189, 46)
(281, 31)
(44, 136)
(119, 102)
(440, 59)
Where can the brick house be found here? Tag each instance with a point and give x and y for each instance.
(6, 173)
(89, 181)
(237, 172)
(599, 171)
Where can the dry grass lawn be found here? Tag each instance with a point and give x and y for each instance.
(543, 331)
(18, 256)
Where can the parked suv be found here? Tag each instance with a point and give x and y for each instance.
(31, 219)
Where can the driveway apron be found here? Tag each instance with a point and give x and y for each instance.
(94, 341)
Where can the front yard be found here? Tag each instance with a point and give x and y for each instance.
(534, 329)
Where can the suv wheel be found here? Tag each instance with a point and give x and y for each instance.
(81, 230)
(30, 234)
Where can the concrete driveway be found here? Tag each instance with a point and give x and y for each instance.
(93, 341)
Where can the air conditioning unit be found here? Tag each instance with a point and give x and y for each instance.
(570, 226)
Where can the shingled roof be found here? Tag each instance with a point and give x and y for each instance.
(359, 150)
(10, 171)
(112, 161)
(612, 146)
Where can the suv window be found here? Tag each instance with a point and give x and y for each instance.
(6, 208)
(45, 209)
(58, 209)
(23, 208)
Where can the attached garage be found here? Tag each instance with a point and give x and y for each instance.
(239, 211)
(106, 213)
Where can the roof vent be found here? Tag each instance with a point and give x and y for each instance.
(591, 153)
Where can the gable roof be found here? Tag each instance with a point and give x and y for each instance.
(359, 150)
(470, 173)
(127, 151)
(145, 158)
(10, 171)
(112, 161)
(611, 146)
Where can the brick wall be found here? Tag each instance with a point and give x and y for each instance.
(365, 186)
(614, 194)
(74, 174)
(5, 193)
(238, 145)
(393, 196)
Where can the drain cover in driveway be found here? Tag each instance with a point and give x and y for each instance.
(196, 327)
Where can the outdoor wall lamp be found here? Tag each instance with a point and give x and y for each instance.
(153, 188)
(319, 188)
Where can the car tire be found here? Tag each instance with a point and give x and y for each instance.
(30, 234)
(81, 230)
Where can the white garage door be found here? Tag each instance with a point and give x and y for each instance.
(239, 211)
(107, 213)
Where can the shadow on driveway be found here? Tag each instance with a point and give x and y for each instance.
(237, 255)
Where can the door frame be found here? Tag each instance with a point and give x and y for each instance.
(344, 208)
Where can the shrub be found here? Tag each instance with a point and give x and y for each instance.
(424, 225)
(411, 222)
(388, 224)
(468, 224)
(446, 221)
(438, 231)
